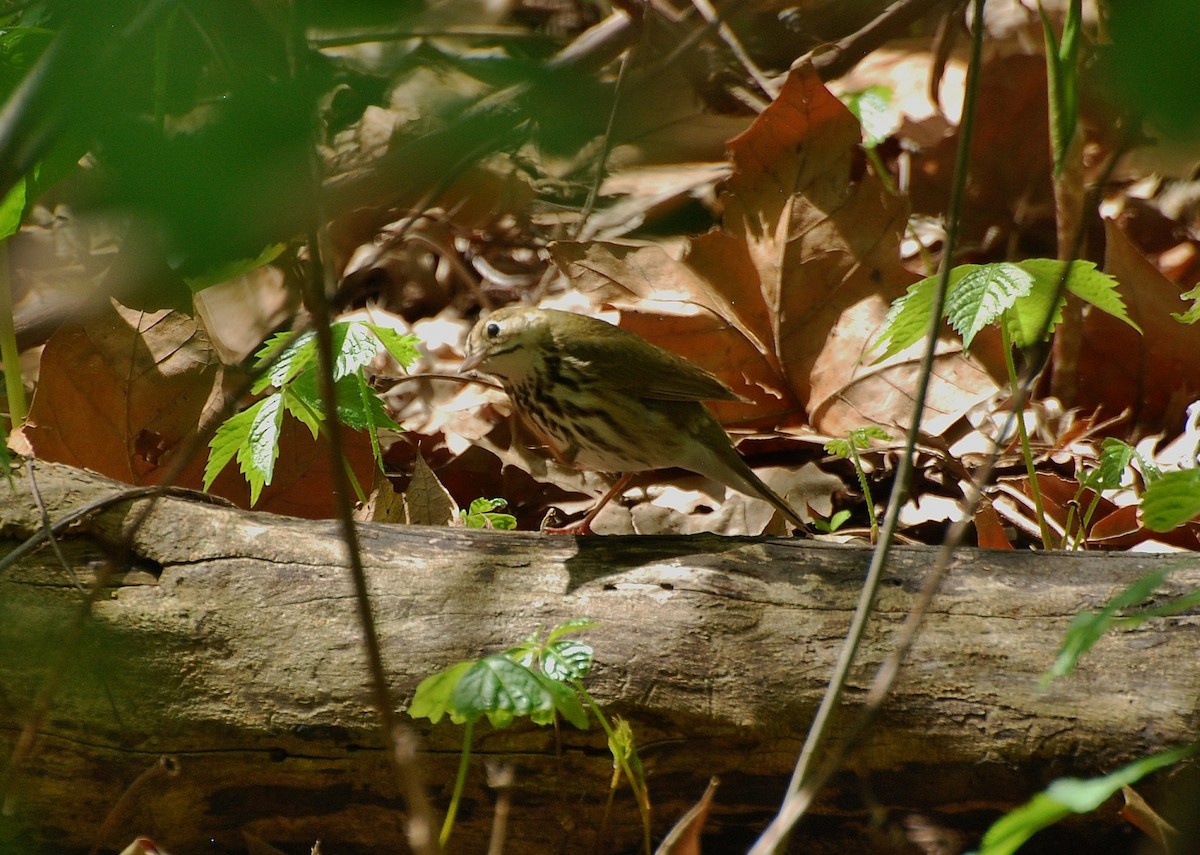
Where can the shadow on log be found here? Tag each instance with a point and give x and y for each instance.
(233, 646)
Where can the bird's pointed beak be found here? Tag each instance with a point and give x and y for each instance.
(472, 361)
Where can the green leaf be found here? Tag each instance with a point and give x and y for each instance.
(354, 346)
(303, 409)
(566, 703)
(402, 346)
(1085, 282)
(1062, 72)
(1109, 474)
(482, 514)
(291, 355)
(12, 210)
(873, 109)
(569, 626)
(569, 659)
(1172, 500)
(834, 522)
(432, 699)
(981, 296)
(256, 457)
(501, 689)
(253, 437)
(1070, 795)
(233, 269)
(856, 439)
(1087, 627)
(1193, 314)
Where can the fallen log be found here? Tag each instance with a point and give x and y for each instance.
(231, 644)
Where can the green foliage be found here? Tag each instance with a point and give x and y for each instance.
(540, 678)
(1193, 314)
(507, 686)
(836, 521)
(1018, 294)
(252, 436)
(873, 109)
(1062, 73)
(1171, 500)
(1108, 474)
(857, 440)
(225, 271)
(1070, 795)
(482, 514)
(1087, 627)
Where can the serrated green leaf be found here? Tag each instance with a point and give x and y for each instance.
(257, 455)
(1115, 457)
(569, 659)
(354, 346)
(1086, 282)
(1193, 314)
(302, 409)
(982, 295)
(1070, 795)
(402, 346)
(1172, 500)
(501, 689)
(229, 440)
(907, 319)
(292, 356)
(433, 697)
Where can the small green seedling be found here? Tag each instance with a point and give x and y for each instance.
(540, 678)
(856, 440)
(483, 514)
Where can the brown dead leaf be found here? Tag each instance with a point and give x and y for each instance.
(798, 282)
(1157, 374)
(684, 837)
(989, 528)
(1138, 812)
(426, 501)
(384, 504)
(120, 391)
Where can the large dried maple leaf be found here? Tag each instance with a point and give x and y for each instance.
(796, 285)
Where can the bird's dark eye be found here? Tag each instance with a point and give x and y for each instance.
(492, 330)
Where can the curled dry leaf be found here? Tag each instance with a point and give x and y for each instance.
(794, 289)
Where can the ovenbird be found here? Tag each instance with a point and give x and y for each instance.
(607, 400)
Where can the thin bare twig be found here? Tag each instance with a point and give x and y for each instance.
(804, 783)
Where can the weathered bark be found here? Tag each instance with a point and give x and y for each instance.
(234, 646)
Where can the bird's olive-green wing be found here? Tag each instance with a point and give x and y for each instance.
(640, 368)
